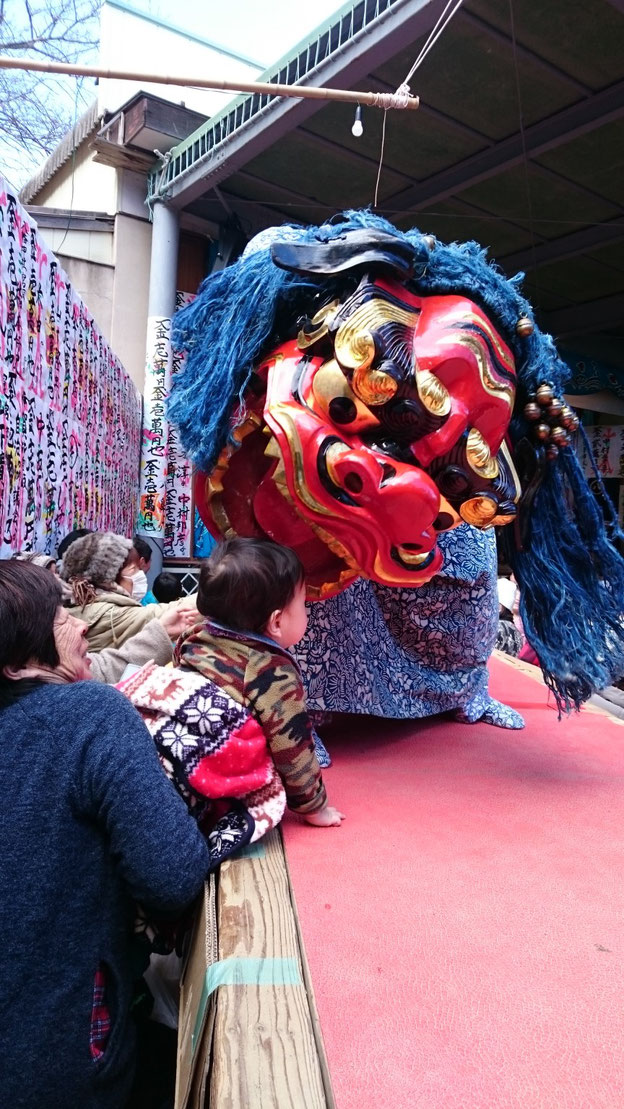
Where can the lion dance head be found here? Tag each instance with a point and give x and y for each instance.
(353, 391)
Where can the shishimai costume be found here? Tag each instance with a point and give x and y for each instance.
(380, 402)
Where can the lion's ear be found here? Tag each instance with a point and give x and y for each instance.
(352, 249)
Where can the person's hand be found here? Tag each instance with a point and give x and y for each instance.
(327, 817)
(177, 618)
(188, 604)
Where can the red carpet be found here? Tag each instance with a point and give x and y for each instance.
(464, 925)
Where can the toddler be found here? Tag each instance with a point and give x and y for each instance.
(230, 721)
(252, 593)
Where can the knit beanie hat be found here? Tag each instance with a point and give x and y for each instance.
(95, 560)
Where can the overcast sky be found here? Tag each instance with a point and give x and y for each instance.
(260, 31)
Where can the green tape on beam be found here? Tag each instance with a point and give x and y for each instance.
(244, 972)
(252, 972)
(253, 851)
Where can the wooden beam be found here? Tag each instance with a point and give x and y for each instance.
(263, 88)
(566, 246)
(355, 156)
(197, 1007)
(560, 179)
(60, 218)
(121, 157)
(593, 315)
(288, 196)
(439, 116)
(265, 1047)
(259, 214)
(486, 29)
(555, 130)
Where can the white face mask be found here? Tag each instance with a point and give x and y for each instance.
(139, 585)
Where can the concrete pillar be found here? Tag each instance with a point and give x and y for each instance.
(161, 307)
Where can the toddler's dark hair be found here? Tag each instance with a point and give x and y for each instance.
(245, 580)
(167, 587)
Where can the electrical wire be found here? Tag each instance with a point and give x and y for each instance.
(403, 91)
(381, 154)
(484, 217)
(433, 37)
(525, 157)
(70, 212)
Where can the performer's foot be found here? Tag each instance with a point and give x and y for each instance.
(503, 716)
(491, 712)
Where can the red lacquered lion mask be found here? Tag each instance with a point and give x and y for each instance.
(381, 425)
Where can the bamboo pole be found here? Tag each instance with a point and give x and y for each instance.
(400, 99)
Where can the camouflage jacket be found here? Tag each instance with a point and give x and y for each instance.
(264, 678)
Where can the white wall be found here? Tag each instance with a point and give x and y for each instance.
(133, 239)
(81, 185)
(88, 246)
(132, 191)
(94, 285)
(130, 43)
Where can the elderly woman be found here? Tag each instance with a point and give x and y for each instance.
(99, 568)
(89, 825)
(152, 643)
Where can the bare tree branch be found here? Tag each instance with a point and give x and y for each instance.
(30, 20)
(36, 111)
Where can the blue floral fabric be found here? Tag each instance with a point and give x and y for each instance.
(408, 653)
(320, 750)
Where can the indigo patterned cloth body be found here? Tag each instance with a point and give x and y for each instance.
(410, 653)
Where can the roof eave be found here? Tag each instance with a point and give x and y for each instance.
(82, 129)
(369, 48)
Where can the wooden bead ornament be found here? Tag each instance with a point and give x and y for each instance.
(555, 408)
(525, 327)
(544, 395)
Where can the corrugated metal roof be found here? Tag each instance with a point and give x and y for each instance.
(83, 128)
(298, 65)
(518, 143)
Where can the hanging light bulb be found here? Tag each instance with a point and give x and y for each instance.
(357, 130)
